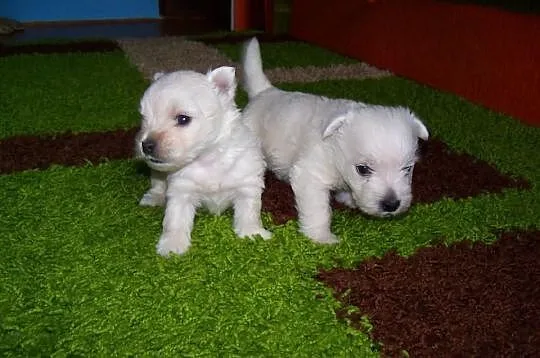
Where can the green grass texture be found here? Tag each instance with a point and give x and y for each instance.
(49, 94)
(79, 275)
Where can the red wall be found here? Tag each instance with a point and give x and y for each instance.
(487, 55)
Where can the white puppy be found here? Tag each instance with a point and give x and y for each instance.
(201, 154)
(364, 153)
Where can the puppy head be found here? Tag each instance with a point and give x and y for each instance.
(183, 113)
(376, 152)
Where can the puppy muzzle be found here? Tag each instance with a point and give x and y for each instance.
(149, 147)
(390, 205)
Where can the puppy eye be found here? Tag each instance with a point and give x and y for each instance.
(364, 170)
(407, 170)
(182, 120)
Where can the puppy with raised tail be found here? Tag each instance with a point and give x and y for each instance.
(200, 153)
(365, 154)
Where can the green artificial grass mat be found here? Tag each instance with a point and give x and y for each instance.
(286, 54)
(79, 275)
(47, 94)
(89, 92)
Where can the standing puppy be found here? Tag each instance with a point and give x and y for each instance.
(201, 154)
(365, 153)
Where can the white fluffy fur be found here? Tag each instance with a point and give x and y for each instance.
(319, 145)
(213, 161)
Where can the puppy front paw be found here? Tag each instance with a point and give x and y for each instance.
(265, 234)
(151, 198)
(326, 238)
(172, 243)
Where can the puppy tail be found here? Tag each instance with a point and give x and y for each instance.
(254, 80)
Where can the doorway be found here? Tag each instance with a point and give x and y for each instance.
(211, 14)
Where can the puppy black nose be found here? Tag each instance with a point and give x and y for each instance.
(390, 205)
(148, 146)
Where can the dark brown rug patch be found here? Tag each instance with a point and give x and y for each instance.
(440, 173)
(457, 175)
(64, 47)
(40, 152)
(466, 300)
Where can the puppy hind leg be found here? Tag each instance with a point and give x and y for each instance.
(314, 212)
(177, 225)
(155, 196)
(247, 213)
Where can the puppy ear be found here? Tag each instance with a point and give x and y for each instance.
(157, 76)
(421, 130)
(333, 125)
(225, 81)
